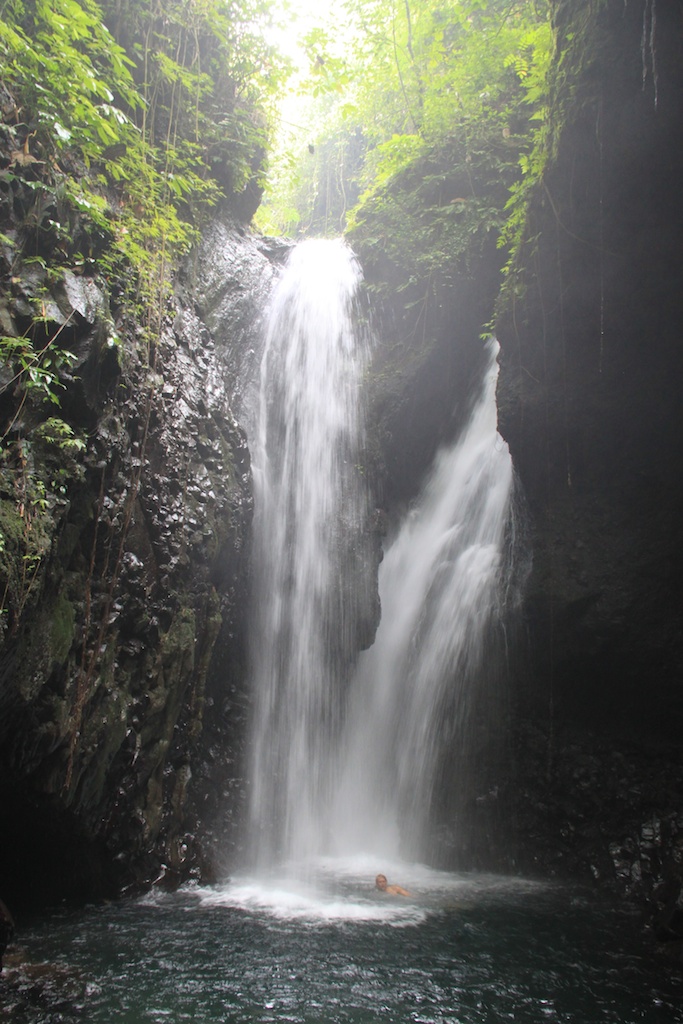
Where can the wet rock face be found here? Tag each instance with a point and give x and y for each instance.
(589, 402)
(425, 370)
(588, 398)
(107, 671)
(609, 817)
(229, 283)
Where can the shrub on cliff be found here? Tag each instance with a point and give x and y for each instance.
(122, 124)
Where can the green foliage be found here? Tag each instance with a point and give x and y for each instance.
(319, 148)
(26, 506)
(57, 435)
(464, 87)
(203, 74)
(123, 123)
(36, 473)
(36, 371)
(166, 107)
(328, 73)
(65, 68)
(431, 106)
(560, 87)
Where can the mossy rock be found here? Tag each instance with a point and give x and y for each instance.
(44, 644)
(62, 630)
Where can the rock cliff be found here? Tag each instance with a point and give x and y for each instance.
(589, 403)
(124, 568)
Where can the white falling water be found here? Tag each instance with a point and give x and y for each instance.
(441, 585)
(352, 765)
(309, 518)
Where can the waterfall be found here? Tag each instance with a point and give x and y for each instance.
(441, 588)
(348, 754)
(310, 531)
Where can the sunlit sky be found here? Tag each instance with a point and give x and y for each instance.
(295, 126)
(293, 19)
(296, 17)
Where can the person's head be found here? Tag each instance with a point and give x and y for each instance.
(381, 882)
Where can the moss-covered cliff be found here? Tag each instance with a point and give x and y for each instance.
(589, 402)
(125, 492)
(123, 564)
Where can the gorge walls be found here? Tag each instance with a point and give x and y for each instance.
(589, 401)
(590, 353)
(122, 701)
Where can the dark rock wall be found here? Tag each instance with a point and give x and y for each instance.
(589, 402)
(117, 666)
(425, 371)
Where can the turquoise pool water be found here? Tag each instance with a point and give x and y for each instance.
(325, 946)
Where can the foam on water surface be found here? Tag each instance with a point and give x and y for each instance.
(330, 889)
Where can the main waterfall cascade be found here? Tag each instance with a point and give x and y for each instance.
(310, 537)
(347, 761)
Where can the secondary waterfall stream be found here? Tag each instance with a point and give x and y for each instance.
(442, 588)
(349, 765)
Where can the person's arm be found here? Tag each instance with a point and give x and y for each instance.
(398, 890)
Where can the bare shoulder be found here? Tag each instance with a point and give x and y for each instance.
(398, 890)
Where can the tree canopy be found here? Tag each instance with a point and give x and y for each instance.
(135, 116)
(418, 119)
(122, 124)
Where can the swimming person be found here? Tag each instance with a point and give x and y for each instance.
(393, 890)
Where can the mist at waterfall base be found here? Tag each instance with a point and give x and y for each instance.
(347, 757)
